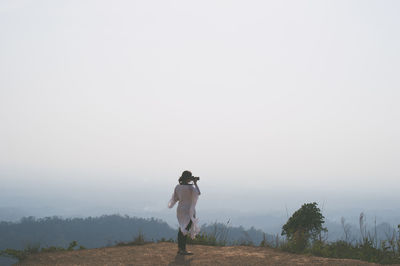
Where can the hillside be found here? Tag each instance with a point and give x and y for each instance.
(165, 254)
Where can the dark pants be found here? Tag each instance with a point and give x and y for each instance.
(182, 238)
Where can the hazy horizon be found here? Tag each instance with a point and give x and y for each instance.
(272, 103)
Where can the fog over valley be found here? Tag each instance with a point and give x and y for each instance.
(264, 208)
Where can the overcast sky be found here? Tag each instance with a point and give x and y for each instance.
(258, 96)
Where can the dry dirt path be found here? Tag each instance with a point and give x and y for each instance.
(165, 254)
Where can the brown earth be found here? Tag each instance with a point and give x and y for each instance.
(165, 254)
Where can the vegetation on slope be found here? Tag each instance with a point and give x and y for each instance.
(304, 233)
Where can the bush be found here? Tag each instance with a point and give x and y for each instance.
(204, 239)
(304, 225)
(304, 228)
(137, 241)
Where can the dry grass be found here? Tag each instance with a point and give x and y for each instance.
(165, 254)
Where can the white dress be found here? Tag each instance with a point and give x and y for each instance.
(187, 196)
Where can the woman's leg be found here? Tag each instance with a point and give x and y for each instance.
(185, 237)
(181, 240)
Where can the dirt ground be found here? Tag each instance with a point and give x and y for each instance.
(165, 254)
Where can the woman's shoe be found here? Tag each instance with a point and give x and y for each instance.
(184, 252)
(187, 252)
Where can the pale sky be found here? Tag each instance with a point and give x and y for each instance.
(252, 96)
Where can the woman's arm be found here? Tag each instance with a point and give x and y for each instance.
(173, 199)
(197, 187)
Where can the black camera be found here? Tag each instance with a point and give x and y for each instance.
(195, 178)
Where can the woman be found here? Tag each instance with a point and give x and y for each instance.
(187, 194)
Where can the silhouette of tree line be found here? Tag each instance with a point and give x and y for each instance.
(106, 230)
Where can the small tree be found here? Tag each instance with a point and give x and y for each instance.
(304, 225)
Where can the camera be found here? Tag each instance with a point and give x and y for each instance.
(195, 178)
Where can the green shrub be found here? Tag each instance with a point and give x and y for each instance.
(204, 239)
(137, 241)
(304, 225)
(303, 231)
(170, 240)
(217, 237)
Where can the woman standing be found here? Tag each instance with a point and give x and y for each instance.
(187, 194)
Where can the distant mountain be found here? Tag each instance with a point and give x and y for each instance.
(91, 232)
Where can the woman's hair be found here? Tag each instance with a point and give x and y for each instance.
(185, 176)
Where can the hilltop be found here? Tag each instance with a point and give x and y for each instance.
(165, 254)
